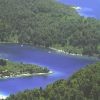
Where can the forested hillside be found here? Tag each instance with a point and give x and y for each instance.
(83, 85)
(49, 24)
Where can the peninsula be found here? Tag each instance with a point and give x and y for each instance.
(10, 69)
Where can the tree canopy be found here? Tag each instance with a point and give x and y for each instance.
(83, 85)
(48, 23)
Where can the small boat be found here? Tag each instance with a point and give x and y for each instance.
(49, 51)
(22, 45)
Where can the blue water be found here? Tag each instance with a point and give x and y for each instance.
(90, 8)
(62, 65)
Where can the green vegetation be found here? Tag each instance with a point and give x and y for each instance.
(50, 24)
(47, 23)
(9, 69)
(83, 85)
(3, 62)
(68, 49)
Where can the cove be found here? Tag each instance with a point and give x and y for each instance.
(62, 65)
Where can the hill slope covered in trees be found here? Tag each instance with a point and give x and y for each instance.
(49, 24)
(83, 85)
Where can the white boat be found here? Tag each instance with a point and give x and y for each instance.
(49, 51)
(22, 45)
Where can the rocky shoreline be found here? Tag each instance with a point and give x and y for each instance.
(26, 75)
(62, 51)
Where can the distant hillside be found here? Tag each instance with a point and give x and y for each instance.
(83, 85)
(50, 24)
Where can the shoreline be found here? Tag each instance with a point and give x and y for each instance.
(26, 75)
(3, 97)
(64, 52)
(72, 54)
(51, 48)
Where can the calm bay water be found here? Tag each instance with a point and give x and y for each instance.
(89, 8)
(62, 65)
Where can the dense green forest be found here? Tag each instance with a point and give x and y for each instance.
(83, 85)
(49, 24)
(10, 69)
